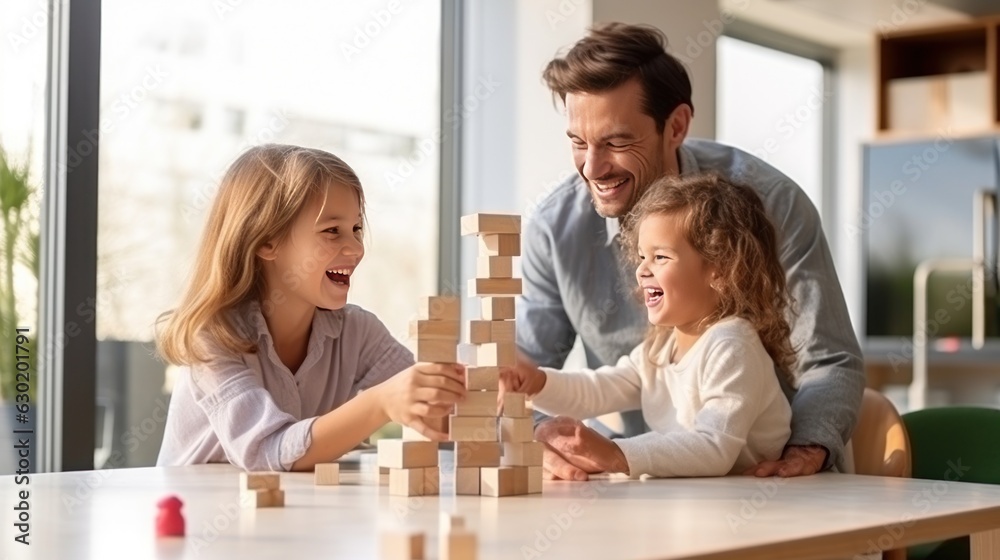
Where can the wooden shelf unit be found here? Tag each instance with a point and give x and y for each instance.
(937, 51)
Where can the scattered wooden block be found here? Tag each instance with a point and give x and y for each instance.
(406, 482)
(260, 481)
(479, 287)
(436, 330)
(479, 403)
(467, 481)
(459, 545)
(482, 378)
(435, 350)
(535, 480)
(500, 245)
(497, 354)
(399, 454)
(497, 308)
(517, 430)
(327, 474)
(477, 453)
(439, 308)
(480, 223)
(399, 545)
(451, 522)
(525, 453)
(432, 481)
(472, 428)
(497, 481)
(495, 267)
(484, 332)
(515, 405)
(263, 498)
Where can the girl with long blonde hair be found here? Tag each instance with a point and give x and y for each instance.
(707, 376)
(282, 373)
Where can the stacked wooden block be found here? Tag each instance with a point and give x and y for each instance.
(413, 460)
(456, 542)
(261, 490)
(494, 451)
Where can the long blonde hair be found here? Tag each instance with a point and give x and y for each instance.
(727, 225)
(262, 193)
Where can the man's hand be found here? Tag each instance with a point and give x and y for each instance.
(573, 450)
(797, 460)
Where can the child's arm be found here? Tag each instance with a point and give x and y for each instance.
(419, 391)
(733, 380)
(581, 394)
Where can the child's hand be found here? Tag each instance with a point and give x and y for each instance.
(423, 390)
(525, 377)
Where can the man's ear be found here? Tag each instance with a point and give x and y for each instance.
(678, 123)
(268, 251)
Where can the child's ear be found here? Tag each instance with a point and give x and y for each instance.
(267, 251)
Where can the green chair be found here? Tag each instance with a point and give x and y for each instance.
(948, 443)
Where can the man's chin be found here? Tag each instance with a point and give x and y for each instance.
(609, 209)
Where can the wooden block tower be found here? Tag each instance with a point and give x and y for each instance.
(494, 451)
(413, 460)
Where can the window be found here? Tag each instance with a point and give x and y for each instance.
(771, 104)
(24, 27)
(188, 85)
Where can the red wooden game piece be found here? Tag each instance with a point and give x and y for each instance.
(169, 521)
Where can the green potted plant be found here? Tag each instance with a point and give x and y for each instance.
(18, 248)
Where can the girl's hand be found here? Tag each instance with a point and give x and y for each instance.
(420, 391)
(525, 377)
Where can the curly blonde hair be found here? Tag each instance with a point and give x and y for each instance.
(727, 225)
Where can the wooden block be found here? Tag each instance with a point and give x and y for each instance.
(497, 354)
(497, 308)
(535, 480)
(262, 498)
(515, 405)
(400, 545)
(497, 481)
(436, 330)
(399, 454)
(482, 378)
(500, 245)
(432, 481)
(477, 453)
(472, 428)
(517, 430)
(436, 351)
(484, 332)
(450, 522)
(459, 545)
(406, 482)
(520, 480)
(260, 481)
(439, 308)
(525, 453)
(327, 474)
(479, 287)
(479, 403)
(467, 481)
(409, 434)
(490, 223)
(495, 267)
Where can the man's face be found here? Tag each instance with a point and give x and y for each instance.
(616, 147)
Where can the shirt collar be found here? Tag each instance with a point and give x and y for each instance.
(688, 166)
(326, 323)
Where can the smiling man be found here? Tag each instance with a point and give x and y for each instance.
(628, 104)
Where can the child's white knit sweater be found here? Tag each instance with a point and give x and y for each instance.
(719, 410)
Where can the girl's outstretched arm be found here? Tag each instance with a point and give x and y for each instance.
(422, 390)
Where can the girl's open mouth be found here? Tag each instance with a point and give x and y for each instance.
(342, 277)
(653, 296)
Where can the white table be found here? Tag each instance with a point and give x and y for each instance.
(109, 514)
